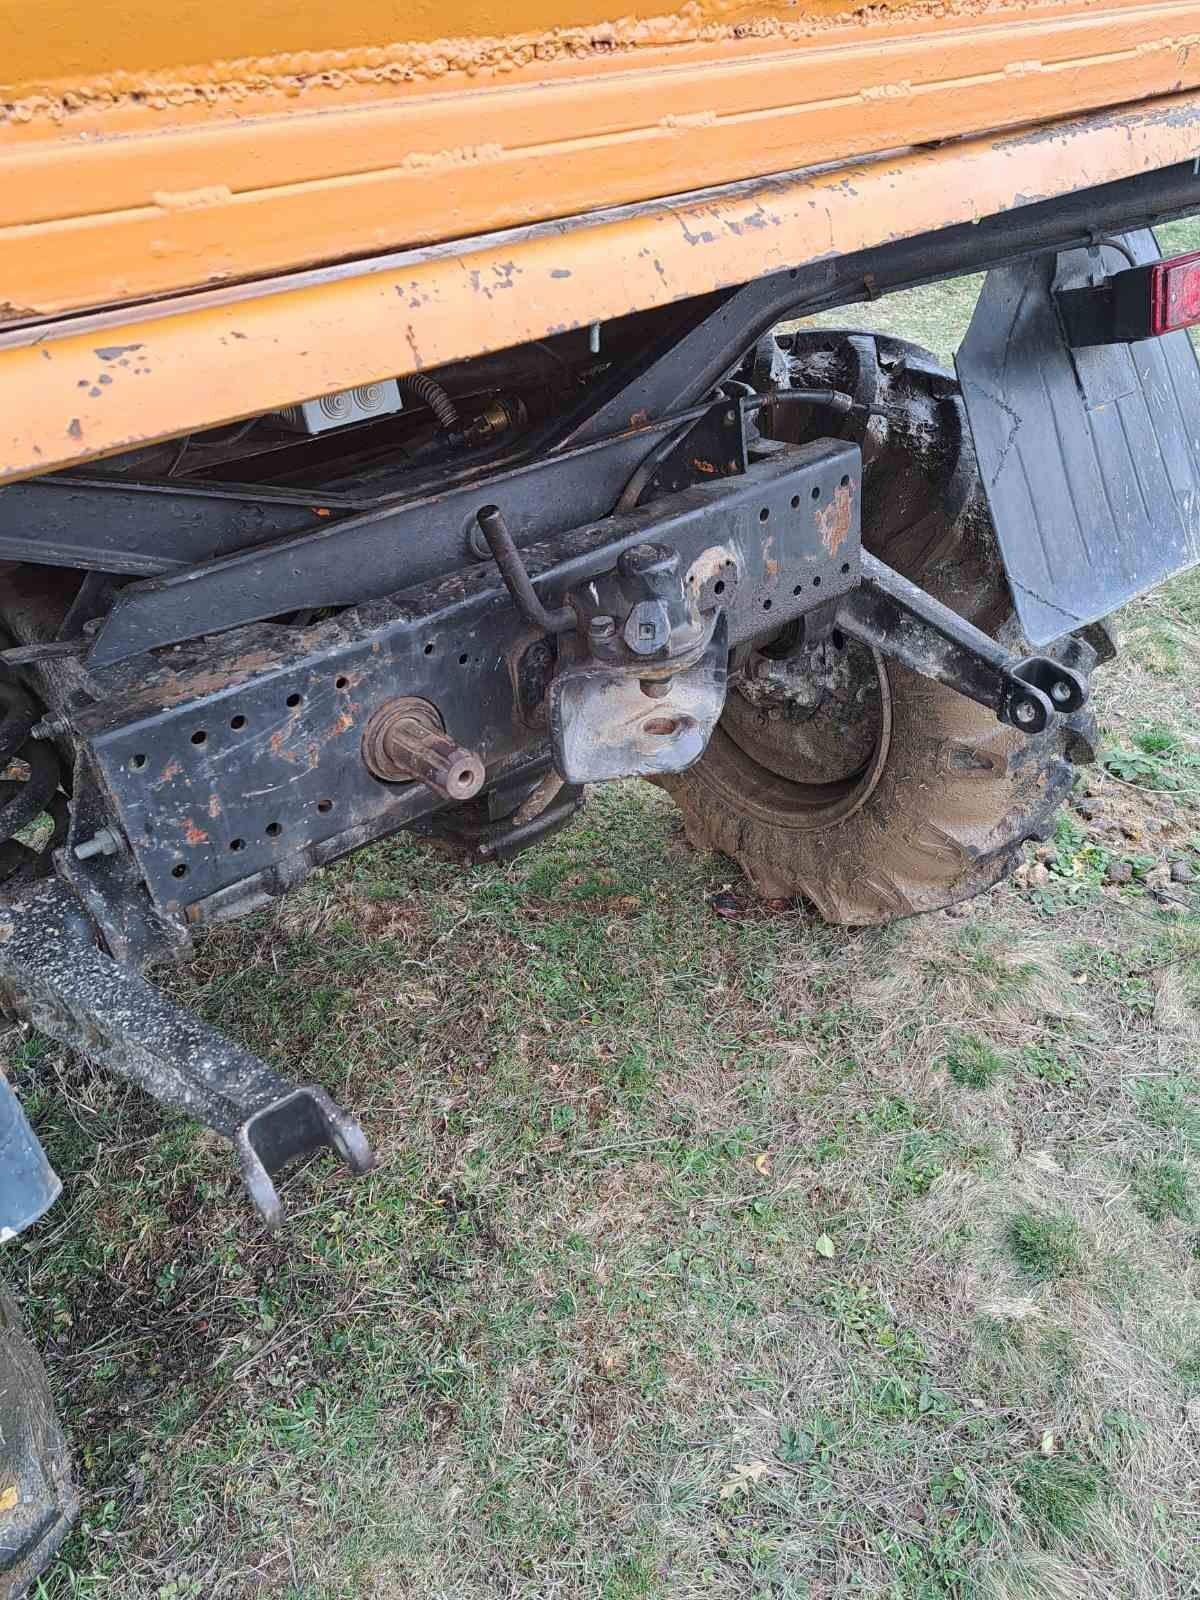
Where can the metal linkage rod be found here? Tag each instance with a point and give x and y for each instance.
(898, 619)
(53, 975)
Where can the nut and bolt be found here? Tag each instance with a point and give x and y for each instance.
(1060, 692)
(1025, 712)
(601, 628)
(105, 842)
(51, 727)
(648, 628)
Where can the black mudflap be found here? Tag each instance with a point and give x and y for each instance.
(37, 1501)
(1090, 457)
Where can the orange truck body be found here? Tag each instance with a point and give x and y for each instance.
(255, 204)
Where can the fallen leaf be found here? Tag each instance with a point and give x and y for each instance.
(9, 1497)
(824, 1246)
(728, 907)
(743, 1477)
(762, 1164)
(1048, 1442)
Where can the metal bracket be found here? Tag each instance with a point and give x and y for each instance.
(650, 688)
(53, 975)
(614, 721)
(897, 618)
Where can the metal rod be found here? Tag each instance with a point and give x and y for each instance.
(516, 578)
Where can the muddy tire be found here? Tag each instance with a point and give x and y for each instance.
(37, 1501)
(890, 795)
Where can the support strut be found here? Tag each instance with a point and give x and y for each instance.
(53, 975)
(898, 619)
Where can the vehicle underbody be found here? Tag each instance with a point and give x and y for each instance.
(784, 574)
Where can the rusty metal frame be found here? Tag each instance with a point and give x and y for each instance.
(177, 738)
(80, 388)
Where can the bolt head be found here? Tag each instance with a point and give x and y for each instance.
(1025, 712)
(601, 627)
(648, 628)
(1060, 692)
(104, 842)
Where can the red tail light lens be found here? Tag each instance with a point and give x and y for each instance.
(1175, 294)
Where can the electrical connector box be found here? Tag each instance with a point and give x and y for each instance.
(338, 410)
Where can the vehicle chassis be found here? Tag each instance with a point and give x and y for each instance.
(244, 683)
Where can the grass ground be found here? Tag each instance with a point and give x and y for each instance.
(709, 1255)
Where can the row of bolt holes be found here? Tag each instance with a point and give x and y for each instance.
(237, 723)
(200, 737)
(764, 516)
(272, 830)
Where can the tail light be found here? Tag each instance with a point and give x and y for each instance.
(1174, 294)
(1140, 303)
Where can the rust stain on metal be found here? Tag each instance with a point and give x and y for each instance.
(706, 467)
(169, 690)
(193, 833)
(214, 806)
(278, 743)
(171, 770)
(834, 519)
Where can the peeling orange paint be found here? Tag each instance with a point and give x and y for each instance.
(217, 356)
(193, 833)
(163, 56)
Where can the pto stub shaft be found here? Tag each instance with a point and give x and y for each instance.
(406, 742)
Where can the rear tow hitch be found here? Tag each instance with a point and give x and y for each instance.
(53, 975)
(898, 619)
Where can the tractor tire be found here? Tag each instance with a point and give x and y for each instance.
(877, 793)
(37, 1500)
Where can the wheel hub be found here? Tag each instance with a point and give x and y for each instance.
(812, 716)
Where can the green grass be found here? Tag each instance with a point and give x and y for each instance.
(704, 1258)
(1056, 1493)
(1045, 1246)
(973, 1063)
(1163, 1189)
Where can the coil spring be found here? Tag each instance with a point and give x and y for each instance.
(25, 798)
